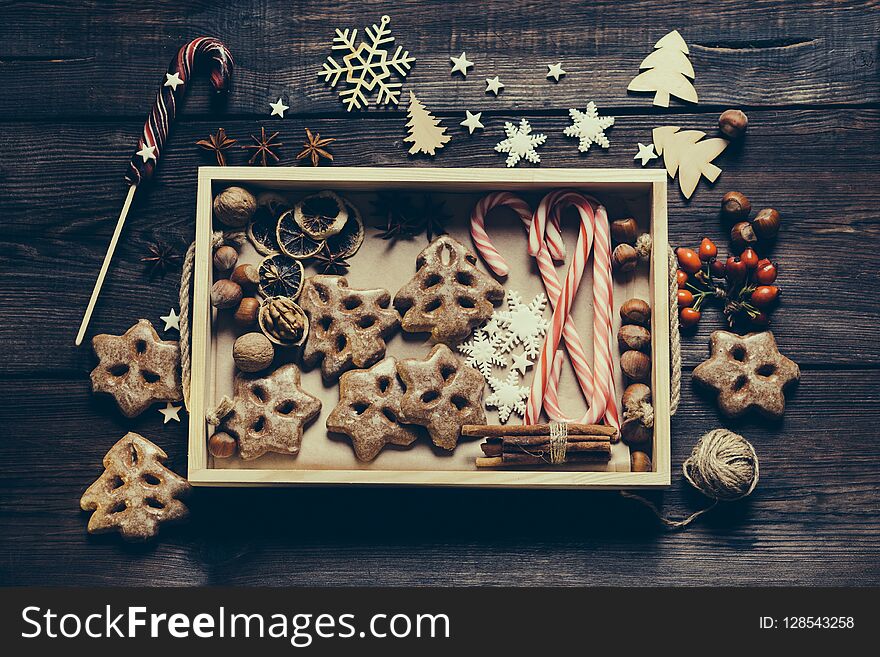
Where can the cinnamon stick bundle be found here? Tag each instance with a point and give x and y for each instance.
(514, 459)
(503, 430)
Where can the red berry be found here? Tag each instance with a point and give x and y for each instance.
(761, 320)
(750, 257)
(766, 273)
(735, 269)
(764, 295)
(718, 266)
(685, 298)
(688, 260)
(708, 250)
(681, 277)
(689, 317)
(763, 261)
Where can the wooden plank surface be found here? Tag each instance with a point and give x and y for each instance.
(78, 79)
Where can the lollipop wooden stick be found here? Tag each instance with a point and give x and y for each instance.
(207, 50)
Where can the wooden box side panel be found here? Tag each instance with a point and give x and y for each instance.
(660, 304)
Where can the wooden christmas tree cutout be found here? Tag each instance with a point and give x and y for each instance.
(425, 132)
(669, 71)
(684, 153)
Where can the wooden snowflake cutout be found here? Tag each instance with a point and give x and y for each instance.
(507, 396)
(524, 324)
(367, 66)
(520, 143)
(481, 353)
(589, 127)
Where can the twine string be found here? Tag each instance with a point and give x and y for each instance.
(558, 442)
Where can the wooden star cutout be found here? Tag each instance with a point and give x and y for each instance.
(494, 85)
(278, 108)
(173, 81)
(748, 372)
(461, 64)
(472, 121)
(555, 71)
(147, 152)
(172, 320)
(646, 153)
(170, 412)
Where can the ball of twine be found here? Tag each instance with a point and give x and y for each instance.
(723, 465)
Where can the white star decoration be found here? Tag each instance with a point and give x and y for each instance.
(472, 122)
(524, 324)
(278, 108)
(173, 81)
(589, 127)
(147, 152)
(461, 64)
(507, 396)
(555, 71)
(520, 363)
(170, 412)
(520, 143)
(172, 321)
(481, 354)
(646, 153)
(494, 85)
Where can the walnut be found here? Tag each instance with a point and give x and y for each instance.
(253, 352)
(234, 207)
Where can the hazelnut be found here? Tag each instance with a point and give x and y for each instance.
(225, 258)
(733, 123)
(635, 311)
(253, 352)
(225, 294)
(766, 224)
(221, 445)
(742, 235)
(247, 276)
(636, 365)
(640, 462)
(635, 395)
(234, 207)
(735, 206)
(625, 231)
(633, 432)
(247, 312)
(624, 258)
(633, 336)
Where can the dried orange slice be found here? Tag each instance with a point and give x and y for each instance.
(280, 276)
(321, 215)
(293, 241)
(349, 240)
(261, 229)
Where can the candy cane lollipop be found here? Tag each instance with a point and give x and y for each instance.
(205, 50)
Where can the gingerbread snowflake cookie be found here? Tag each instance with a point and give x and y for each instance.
(448, 296)
(137, 368)
(369, 410)
(269, 412)
(135, 493)
(442, 394)
(748, 372)
(348, 326)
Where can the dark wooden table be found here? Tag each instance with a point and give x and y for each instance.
(77, 80)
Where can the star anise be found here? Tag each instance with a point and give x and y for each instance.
(395, 213)
(330, 263)
(217, 144)
(264, 148)
(161, 257)
(313, 148)
(433, 217)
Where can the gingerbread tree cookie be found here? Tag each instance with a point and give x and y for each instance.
(269, 412)
(348, 326)
(748, 372)
(137, 368)
(136, 493)
(369, 410)
(448, 296)
(442, 394)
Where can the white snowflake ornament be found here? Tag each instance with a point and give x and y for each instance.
(589, 127)
(520, 143)
(481, 353)
(507, 396)
(367, 66)
(493, 328)
(523, 324)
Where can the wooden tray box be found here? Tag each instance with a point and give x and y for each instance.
(628, 188)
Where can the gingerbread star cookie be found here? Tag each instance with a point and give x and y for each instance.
(137, 368)
(448, 296)
(269, 412)
(348, 327)
(442, 394)
(369, 410)
(748, 372)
